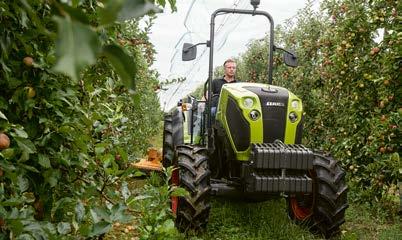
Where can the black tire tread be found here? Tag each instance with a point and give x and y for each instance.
(193, 210)
(330, 193)
(331, 201)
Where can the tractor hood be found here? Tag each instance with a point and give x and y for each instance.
(259, 113)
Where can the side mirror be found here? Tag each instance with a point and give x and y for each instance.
(290, 58)
(189, 52)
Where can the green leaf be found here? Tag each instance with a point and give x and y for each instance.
(125, 192)
(173, 5)
(63, 228)
(52, 176)
(99, 214)
(25, 236)
(76, 3)
(63, 202)
(23, 184)
(109, 13)
(161, 2)
(122, 63)
(24, 157)
(133, 9)
(100, 228)
(139, 174)
(25, 145)
(136, 99)
(7, 166)
(74, 13)
(123, 154)
(44, 161)
(117, 213)
(107, 160)
(8, 153)
(99, 150)
(168, 226)
(21, 133)
(85, 229)
(79, 211)
(76, 47)
(29, 168)
(179, 192)
(12, 202)
(34, 17)
(122, 10)
(395, 157)
(3, 116)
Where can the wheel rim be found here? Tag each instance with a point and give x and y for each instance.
(175, 200)
(299, 211)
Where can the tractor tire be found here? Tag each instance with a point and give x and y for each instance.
(172, 136)
(192, 211)
(324, 210)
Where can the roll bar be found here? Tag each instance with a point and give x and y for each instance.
(211, 47)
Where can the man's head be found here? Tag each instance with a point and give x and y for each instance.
(230, 68)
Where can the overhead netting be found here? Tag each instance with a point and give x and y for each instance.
(197, 25)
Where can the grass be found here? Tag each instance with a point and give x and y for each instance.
(232, 219)
(268, 220)
(362, 224)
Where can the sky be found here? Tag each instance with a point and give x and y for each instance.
(191, 23)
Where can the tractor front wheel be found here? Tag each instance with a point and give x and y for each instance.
(323, 210)
(192, 174)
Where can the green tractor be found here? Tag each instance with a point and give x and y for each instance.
(250, 149)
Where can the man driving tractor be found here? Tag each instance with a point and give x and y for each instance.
(229, 77)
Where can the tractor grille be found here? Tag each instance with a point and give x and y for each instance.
(238, 126)
(274, 104)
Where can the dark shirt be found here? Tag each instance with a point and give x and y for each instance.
(216, 89)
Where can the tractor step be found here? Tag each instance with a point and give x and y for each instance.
(275, 184)
(281, 156)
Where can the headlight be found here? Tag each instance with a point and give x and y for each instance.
(254, 115)
(248, 102)
(293, 117)
(295, 104)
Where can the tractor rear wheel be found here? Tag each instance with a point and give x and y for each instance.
(172, 136)
(324, 210)
(192, 211)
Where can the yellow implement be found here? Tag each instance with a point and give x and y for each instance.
(152, 162)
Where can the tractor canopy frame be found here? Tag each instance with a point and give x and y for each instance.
(210, 44)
